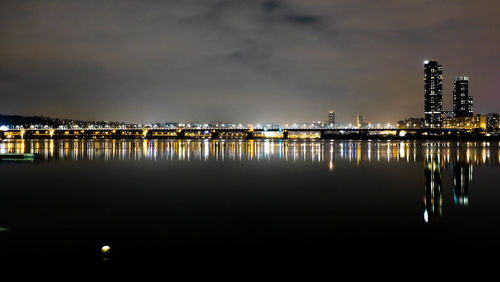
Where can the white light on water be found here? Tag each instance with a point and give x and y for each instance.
(105, 249)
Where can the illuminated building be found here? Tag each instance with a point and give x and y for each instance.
(492, 122)
(470, 105)
(411, 123)
(448, 114)
(359, 120)
(331, 117)
(462, 102)
(433, 94)
(471, 122)
(360, 123)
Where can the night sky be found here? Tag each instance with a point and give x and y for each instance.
(242, 61)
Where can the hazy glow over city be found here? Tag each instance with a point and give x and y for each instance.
(241, 61)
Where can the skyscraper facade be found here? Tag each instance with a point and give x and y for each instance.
(470, 106)
(462, 102)
(433, 94)
(331, 117)
(359, 121)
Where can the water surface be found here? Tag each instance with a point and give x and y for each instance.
(221, 201)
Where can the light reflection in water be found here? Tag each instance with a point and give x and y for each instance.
(322, 151)
(433, 195)
(461, 159)
(457, 157)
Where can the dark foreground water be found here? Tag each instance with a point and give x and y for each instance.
(236, 202)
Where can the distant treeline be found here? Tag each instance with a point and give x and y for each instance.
(13, 120)
(22, 120)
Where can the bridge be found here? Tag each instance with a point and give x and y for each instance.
(236, 133)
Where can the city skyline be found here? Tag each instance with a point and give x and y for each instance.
(251, 61)
(435, 115)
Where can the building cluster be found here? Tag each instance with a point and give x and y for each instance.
(462, 116)
(359, 124)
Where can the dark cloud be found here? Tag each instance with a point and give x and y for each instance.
(272, 5)
(302, 19)
(241, 60)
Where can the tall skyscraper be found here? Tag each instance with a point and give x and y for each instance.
(433, 93)
(331, 117)
(359, 121)
(462, 102)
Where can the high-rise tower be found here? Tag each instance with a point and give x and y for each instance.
(359, 121)
(331, 117)
(433, 93)
(462, 102)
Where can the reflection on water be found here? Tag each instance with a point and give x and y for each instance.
(462, 163)
(437, 157)
(465, 154)
(341, 196)
(433, 195)
(462, 177)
